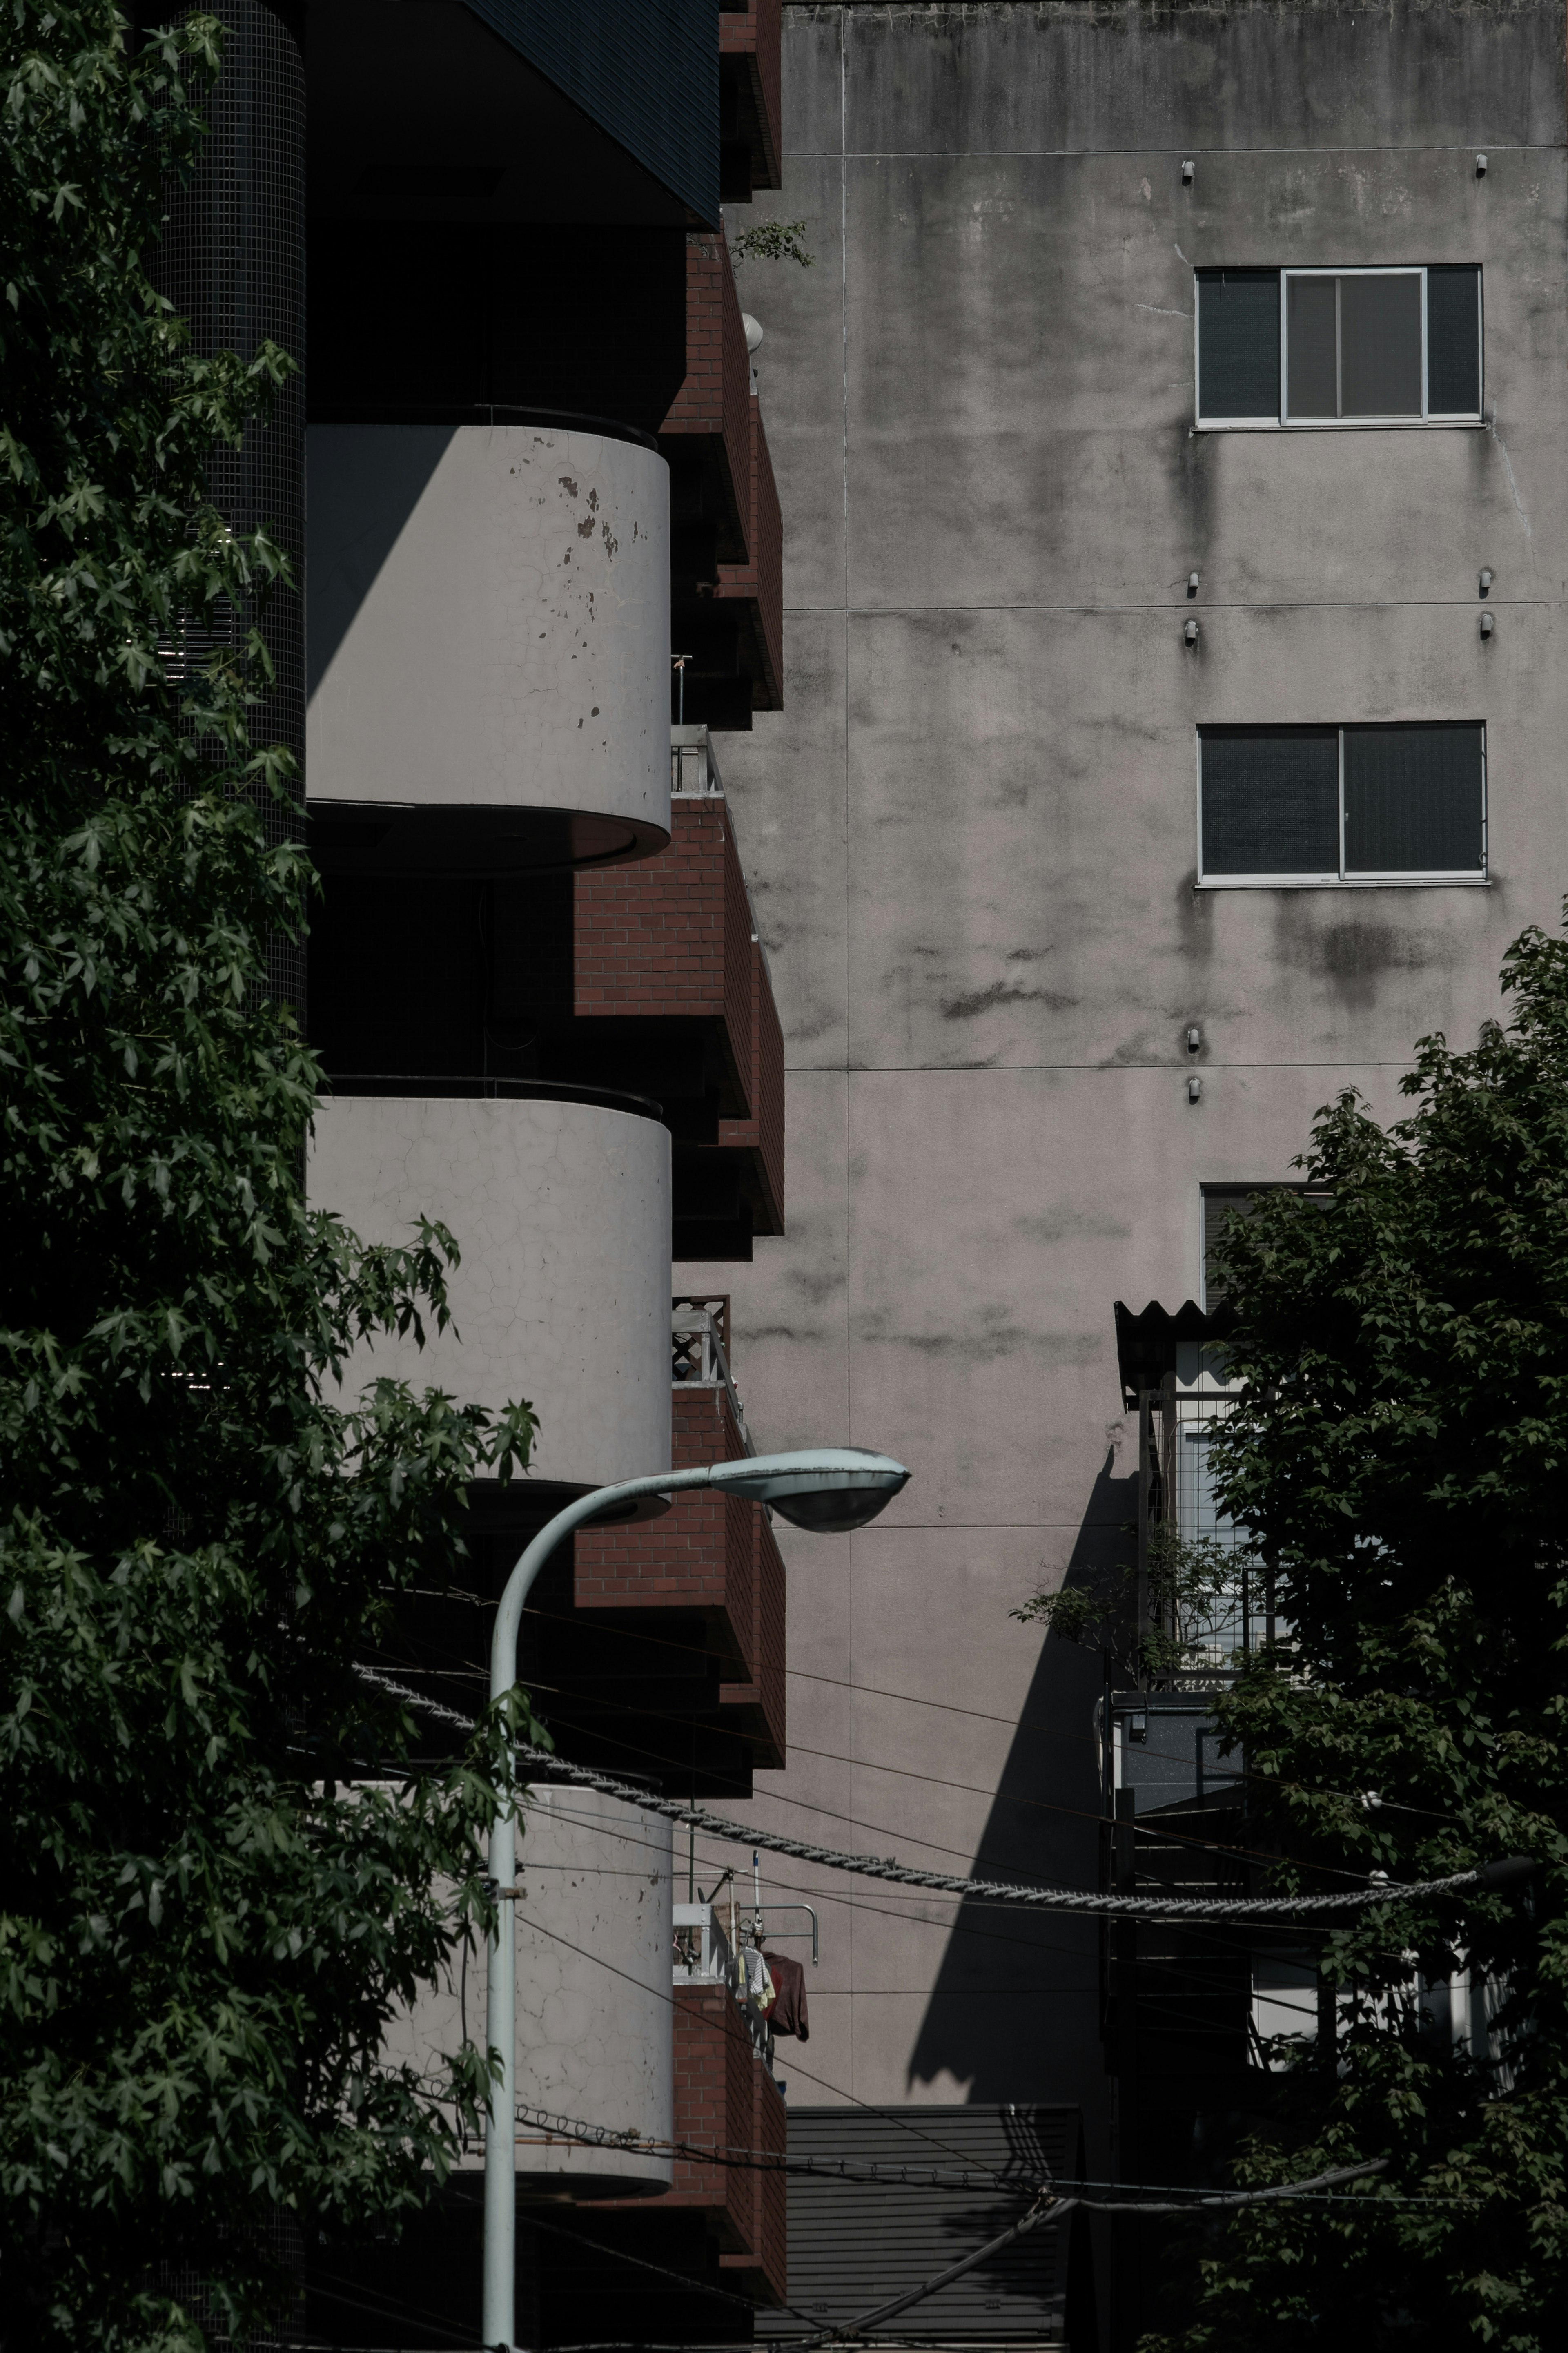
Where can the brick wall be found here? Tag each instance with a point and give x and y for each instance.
(755, 34)
(759, 582)
(761, 1696)
(725, 2099)
(763, 1135)
(672, 934)
(702, 1554)
(714, 401)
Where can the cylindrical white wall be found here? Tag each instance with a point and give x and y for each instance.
(595, 2031)
(562, 1213)
(489, 624)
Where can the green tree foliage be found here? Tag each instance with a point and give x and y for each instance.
(1401, 1452)
(771, 241)
(219, 1873)
(1170, 1620)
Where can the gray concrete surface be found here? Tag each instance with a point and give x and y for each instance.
(971, 835)
(561, 1211)
(489, 621)
(595, 2042)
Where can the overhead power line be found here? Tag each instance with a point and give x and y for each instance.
(1055, 1899)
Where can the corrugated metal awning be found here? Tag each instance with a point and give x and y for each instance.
(854, 2244)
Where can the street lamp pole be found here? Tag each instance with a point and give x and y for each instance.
(828, 1488)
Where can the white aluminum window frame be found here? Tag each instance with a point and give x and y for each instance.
(1284, 423)
(1354, 878)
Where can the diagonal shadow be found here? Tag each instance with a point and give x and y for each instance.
(1014, 2014)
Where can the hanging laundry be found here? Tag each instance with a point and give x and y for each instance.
(759, 1984)
(788, 2015)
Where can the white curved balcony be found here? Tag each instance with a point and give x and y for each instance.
(595, 2023)
(487, 647)
(562, 1212)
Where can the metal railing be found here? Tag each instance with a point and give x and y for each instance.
(693, 766)
(699, 1356)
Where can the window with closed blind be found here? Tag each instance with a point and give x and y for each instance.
(1298, 806)
(1327, 347)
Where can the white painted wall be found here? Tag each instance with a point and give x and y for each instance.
(488, 619)
(561, 1214)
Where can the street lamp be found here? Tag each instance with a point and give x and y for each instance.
(829, 1488)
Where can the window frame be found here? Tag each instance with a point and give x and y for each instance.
(1355, 878)
(1428, 419)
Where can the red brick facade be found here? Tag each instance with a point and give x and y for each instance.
(764, 1133)
(701, 1555)
(672, 934)
(714, 401)
(759, 582)
(753, 34)
(724, 2099)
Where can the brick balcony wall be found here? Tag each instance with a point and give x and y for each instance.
(702, 1554)
(672, 934)
(764, 2268)
(762, 1696)
(724, 2099)
(714, 401)
(763, 1135)
(759, 582)
(755, 34)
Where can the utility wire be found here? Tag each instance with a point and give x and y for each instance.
(1059, 1899)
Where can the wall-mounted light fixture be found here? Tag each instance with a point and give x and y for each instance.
(1191, 633)
(1480, 167)
(1195, 1089)
(1192, 584)
(1485, 584)
(1194, 1038)
(1488, 623)
(1187, 169)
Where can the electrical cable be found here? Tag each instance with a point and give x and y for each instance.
(952, 1707)
(1094, 1903)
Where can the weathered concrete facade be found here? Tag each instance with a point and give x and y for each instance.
(973, 837)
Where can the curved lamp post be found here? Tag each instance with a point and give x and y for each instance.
(831, 1489)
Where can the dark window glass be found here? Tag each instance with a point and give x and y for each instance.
(1238, 343)
(1413, 800)
(1379, 346)
(1270, 800)
(1453, 342)
(1314, 373)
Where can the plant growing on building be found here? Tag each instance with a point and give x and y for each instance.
(1400, 1450)
(218, 1868)
(1170, 1622)
(771, 241)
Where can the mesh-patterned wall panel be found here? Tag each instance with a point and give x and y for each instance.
(233, 261)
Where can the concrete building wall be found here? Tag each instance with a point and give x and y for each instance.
(595, 2008)
(561, 1211)
(489, 621)
(972, 841)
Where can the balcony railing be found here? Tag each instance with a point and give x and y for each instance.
(699, 1358)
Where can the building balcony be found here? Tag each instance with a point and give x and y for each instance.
(560, 1210)
(750, 122)
(594, 2036)
(488, 649)
(756, 587)
(726, 2098)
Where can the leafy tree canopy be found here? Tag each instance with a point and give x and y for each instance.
(1400, 1453)
(219, 1873)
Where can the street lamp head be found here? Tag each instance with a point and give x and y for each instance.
(830, 1489)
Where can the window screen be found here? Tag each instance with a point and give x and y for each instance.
(1336, 804)
(1453, 342)
(1238, 343)
(1270, 800)
(1390, 345)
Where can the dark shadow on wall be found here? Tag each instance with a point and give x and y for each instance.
(1014, 2014)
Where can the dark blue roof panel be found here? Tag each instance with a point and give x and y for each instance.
(647, 71)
